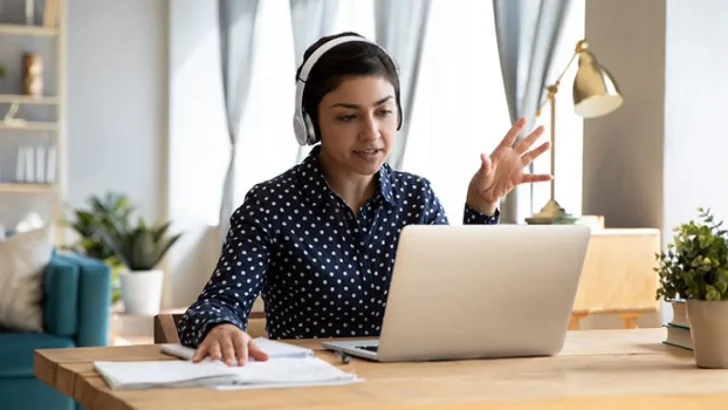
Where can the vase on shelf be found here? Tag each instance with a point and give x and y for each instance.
(33, 77)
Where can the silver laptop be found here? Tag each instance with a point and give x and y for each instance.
(477, 291)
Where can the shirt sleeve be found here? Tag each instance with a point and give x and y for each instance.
(238, 278)
(473, 217)
(434, 213)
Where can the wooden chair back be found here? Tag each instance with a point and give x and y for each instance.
(165, 326)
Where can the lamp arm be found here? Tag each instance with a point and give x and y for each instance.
(554, 88)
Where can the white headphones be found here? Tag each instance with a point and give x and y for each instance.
(302, 124)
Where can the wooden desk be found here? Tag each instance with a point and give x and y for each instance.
(598, 369)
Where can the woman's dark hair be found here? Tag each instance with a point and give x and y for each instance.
(345, 60)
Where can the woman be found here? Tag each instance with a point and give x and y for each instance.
(319, 240)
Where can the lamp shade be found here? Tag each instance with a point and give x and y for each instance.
(595, 92)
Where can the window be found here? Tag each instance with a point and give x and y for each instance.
(461, 110)
(267, 146)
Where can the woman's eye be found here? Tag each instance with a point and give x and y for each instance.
(385, 112)
(347, 118)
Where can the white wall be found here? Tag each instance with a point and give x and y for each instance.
(695, 105)
(661, 156)
(117, 101)
(623, 161)
(623, 150)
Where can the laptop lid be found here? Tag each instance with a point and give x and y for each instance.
(476, 291)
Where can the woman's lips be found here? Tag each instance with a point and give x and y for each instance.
(368, 154)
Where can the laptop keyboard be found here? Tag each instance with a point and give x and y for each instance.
(370, 348)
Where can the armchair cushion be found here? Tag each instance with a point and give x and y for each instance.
(94, 300)
(23, 261)
(61, 296)
(17, 351)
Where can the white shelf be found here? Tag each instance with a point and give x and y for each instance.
(28, 30)
(36, 38)
(27, 188)
(31, 126)
(27, 99)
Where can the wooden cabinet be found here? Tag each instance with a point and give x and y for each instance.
(618, 276)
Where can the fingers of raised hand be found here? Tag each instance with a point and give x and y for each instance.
(526, 143)
(528, 157)
(528, 178)
(513, 133)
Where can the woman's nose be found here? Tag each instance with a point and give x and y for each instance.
(369, 130)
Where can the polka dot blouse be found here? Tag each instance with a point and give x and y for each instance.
(322, 270)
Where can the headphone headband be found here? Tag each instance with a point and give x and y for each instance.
(311, 61)
(302, 124)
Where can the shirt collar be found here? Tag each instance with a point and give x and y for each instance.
(314, 182)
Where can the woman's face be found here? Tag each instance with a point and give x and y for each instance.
(358, 123)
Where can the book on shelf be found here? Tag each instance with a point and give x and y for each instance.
(288, 366)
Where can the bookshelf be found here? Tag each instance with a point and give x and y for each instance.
(33, 114)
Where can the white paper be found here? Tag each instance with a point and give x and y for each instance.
(273, 348)
(168, 373)
(279, 372)
(289, 371)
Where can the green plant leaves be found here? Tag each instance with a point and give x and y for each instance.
(695, 265)
(140, 247)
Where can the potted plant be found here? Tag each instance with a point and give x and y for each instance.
(140, 249)
(695, 268)
(107, 211)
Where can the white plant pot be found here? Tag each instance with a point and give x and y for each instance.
(709, 331)
(141, 291)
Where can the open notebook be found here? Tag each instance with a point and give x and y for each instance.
(288, 366)
(274, 349)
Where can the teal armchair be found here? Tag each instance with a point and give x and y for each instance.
(77, 298)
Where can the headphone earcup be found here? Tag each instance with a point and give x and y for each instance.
(310, 130)
(300, 131)
(400, 118)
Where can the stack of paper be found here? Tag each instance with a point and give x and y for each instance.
(288, 366)
(273, 348)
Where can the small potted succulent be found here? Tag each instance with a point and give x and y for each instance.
(695, 268)
(140, 249)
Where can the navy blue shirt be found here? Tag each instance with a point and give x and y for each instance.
(321, 270)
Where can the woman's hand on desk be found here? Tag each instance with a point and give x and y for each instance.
(226, 341)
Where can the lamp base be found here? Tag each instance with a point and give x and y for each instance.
(552, 213)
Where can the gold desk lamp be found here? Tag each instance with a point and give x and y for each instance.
(595, 94)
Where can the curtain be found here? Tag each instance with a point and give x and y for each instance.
(237, 25)
(527, 32)
(311, 20)
(400, 28)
